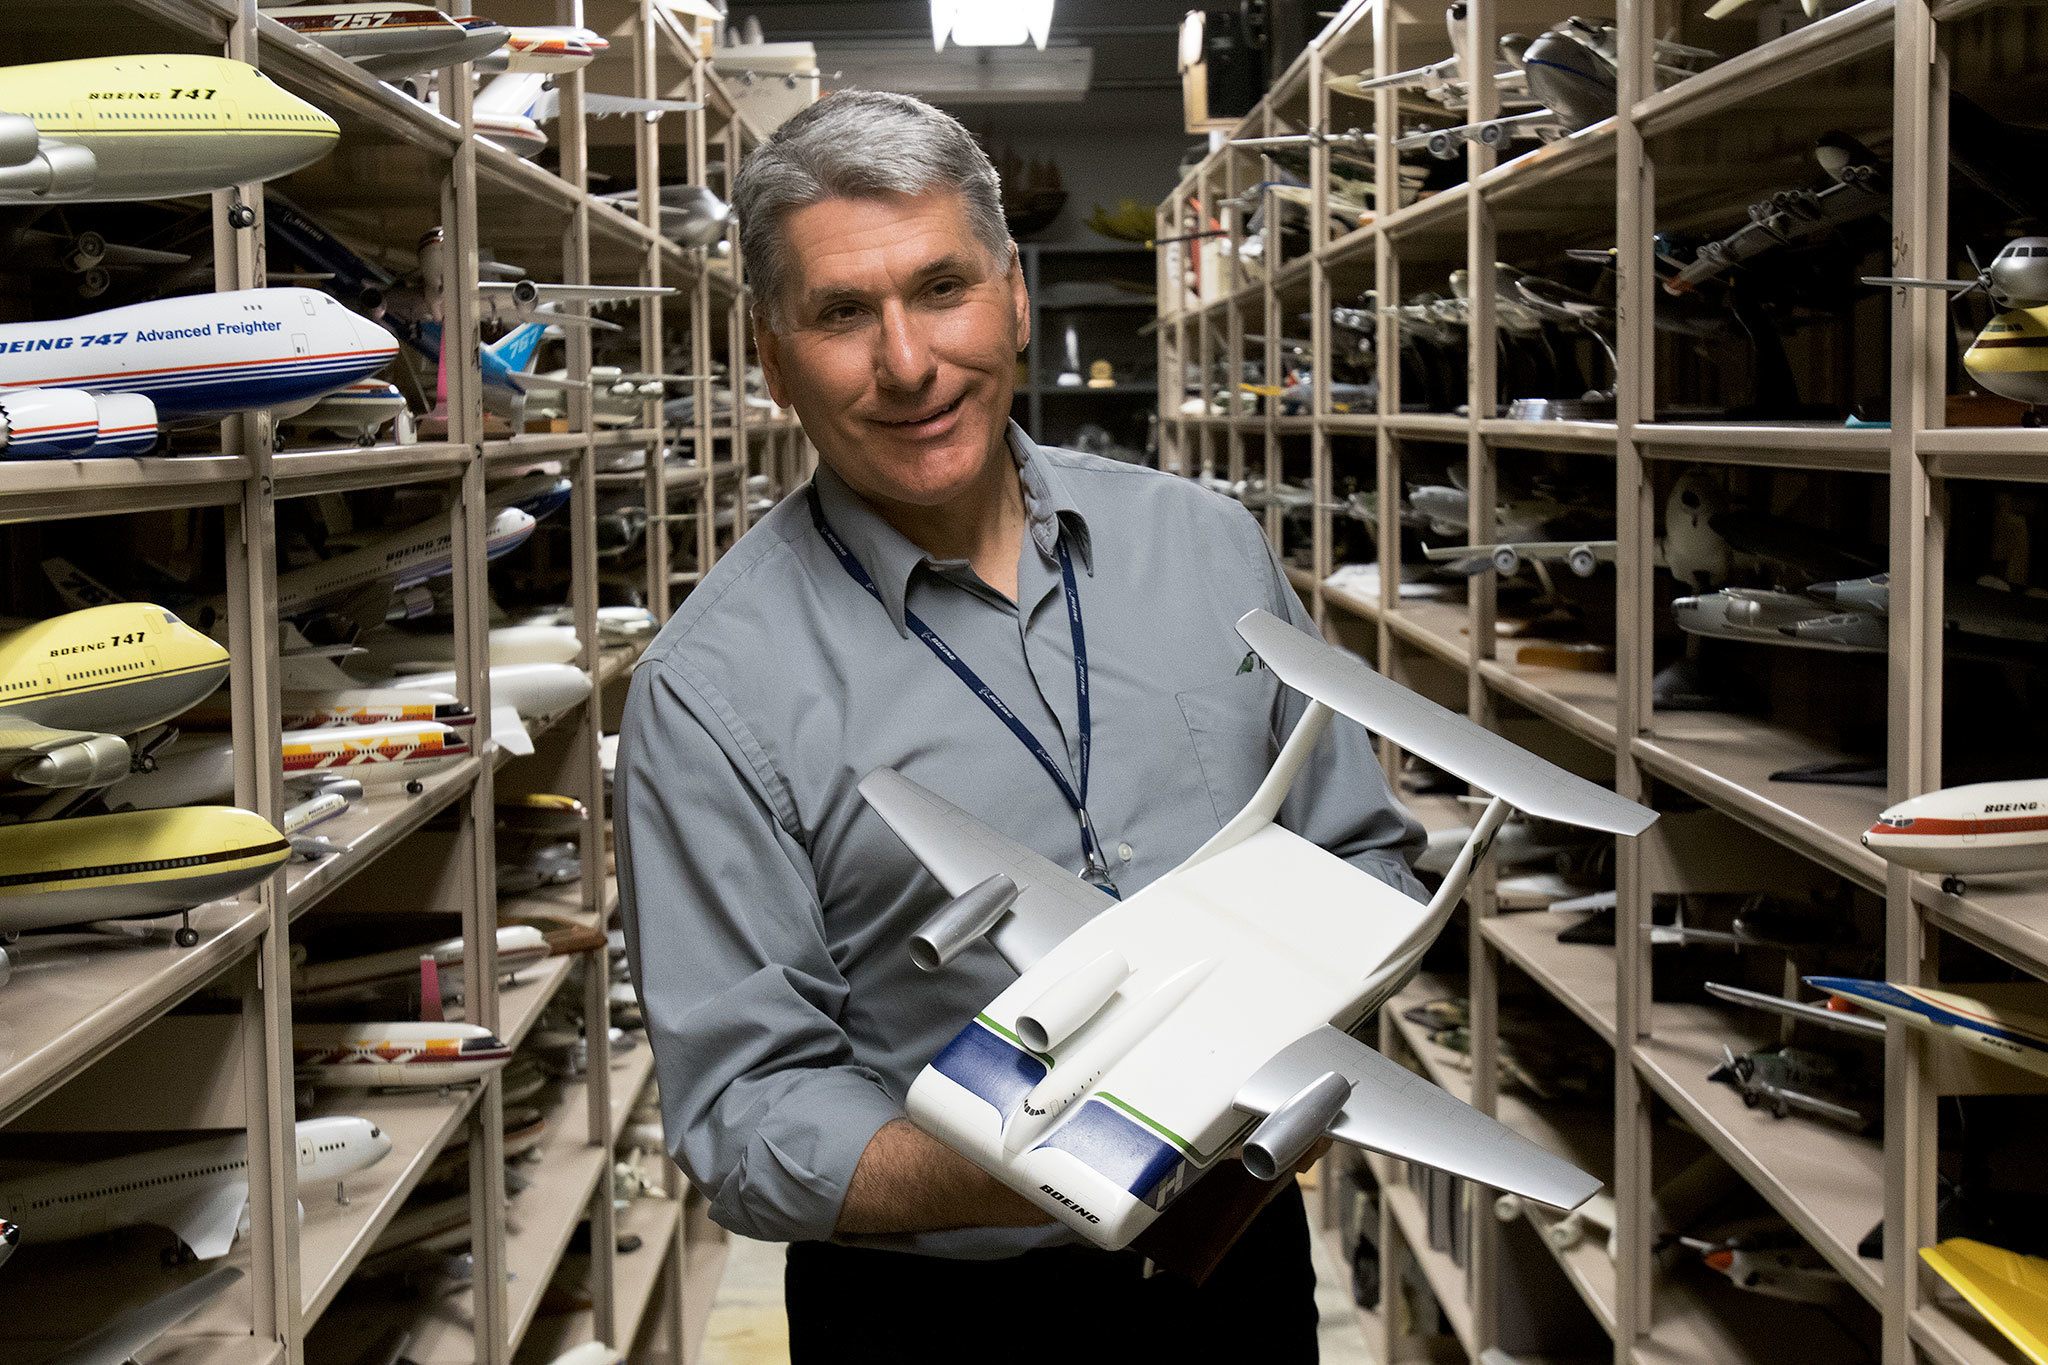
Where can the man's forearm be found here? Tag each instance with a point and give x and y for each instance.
(909, 1181)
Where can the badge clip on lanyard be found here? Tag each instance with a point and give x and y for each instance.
(1097, 871)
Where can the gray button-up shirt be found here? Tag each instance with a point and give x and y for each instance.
(768, 907)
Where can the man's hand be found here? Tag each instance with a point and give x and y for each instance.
(909, 1181)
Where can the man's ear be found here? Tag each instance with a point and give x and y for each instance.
(1020, 299)
(768, 346)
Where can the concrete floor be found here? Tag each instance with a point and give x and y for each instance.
(747, 1325)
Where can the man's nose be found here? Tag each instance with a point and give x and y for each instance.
(904, 355)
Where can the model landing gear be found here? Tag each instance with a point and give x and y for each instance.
(241, 216)
(187, 936)
(1953, 886)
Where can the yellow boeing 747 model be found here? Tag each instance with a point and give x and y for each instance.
(108, 129)
(74, 687)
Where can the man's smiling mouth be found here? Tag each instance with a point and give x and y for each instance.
(922, 418)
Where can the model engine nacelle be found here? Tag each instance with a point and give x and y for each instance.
(1506, 559)
(66, 424)
(961, 921)
(525, 295)
(91, 762)
(1071, 1002)
(1581, 560)
(18, 139)
(1279, 1143)
(56, 169)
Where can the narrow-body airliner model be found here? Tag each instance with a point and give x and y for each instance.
(519, 946)
(346, 1056)
(551, 49)
(359, 410)
(391, 39)
(390, 752)
(1147, 1037)
(1985, 827)
(99, 384)
(198, 1190)
(74, 687)
(161, 126)
(131, 865)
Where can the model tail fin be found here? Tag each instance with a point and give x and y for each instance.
(518, 347)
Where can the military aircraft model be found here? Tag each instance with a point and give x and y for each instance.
(2010, 355)
(199, 1190)
(1073, 1085)
(1780, 1079)
(392, 41)
(157, 126)
(1861, 186)
(99, 385)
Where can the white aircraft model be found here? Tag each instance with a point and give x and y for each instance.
(1144, 1038)
(1985, 827)
(98, 384)
(1582, 557)
(199, 1190)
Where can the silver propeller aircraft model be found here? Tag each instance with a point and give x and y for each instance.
(1145, 1038)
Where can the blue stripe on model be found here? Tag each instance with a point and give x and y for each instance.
(991, 1068)
(1119, 1148)
(1884, 992)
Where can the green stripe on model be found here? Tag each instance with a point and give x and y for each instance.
(1189, 1149)
(993, 1027)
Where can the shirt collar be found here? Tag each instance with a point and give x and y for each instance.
(890, 557)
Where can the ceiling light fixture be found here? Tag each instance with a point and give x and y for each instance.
(991, 23)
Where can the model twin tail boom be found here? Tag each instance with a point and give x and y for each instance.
(1146, 1037)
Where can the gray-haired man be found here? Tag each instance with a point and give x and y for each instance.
(769, 908)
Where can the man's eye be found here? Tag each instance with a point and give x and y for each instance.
(946, 289)
(841, 313)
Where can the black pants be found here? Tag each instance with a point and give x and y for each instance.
(856, 1306)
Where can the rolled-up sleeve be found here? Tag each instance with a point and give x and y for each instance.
(1342, 801)
(762, 1101)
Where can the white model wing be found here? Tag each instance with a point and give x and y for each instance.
(548, 107)
(1394, 1111)
(122, 1338)
(961, 852)
(1348, 685)
(206, 1220)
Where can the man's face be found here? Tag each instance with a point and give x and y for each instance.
(900, 350)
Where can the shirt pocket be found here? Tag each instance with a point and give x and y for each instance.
(1231, 726)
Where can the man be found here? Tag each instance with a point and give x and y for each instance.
(939, 559)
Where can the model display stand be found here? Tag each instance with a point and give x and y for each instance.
(128, 1034)
(1453, 1280)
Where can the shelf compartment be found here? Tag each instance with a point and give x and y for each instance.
(74, 998)
(1582, 976)
(40, 490)
(1726, 761)
(1583, 703)
(653, 1219)
(1826, 1181)
(385, 815)
(1839, 38)
(1435, 628)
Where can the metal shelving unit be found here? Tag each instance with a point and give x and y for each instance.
(401, 167)
(1672, 156)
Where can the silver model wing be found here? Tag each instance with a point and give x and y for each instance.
(119, 1341)
(1394, 1111)
(1349, 686)
(962, 853)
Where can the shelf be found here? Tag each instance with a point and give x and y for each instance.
(1953, 1333)
(1826, 1181)
(1582, 976)
(2007, 454)
(1427, 426)
(1786, 446)
(1583, 703)
(1446, 1279)
(74, 997)
(1436, 628)
(1587, 438)
(1726, 761)
(304, 473)
(36, 490)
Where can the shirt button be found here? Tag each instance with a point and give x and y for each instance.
(1124, 851)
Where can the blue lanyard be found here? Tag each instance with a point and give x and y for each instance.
(1098, 867)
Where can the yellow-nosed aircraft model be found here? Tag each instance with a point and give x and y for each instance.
(75, 687)
(107, 129)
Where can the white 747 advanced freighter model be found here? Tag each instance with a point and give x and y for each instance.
(1144, 1038)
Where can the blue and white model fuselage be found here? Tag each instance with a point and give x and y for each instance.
(100, 384)
(2008, 1020)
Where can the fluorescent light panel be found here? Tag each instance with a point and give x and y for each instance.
(991, 23)
(990, 76)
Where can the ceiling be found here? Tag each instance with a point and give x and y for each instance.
(1135, 88)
